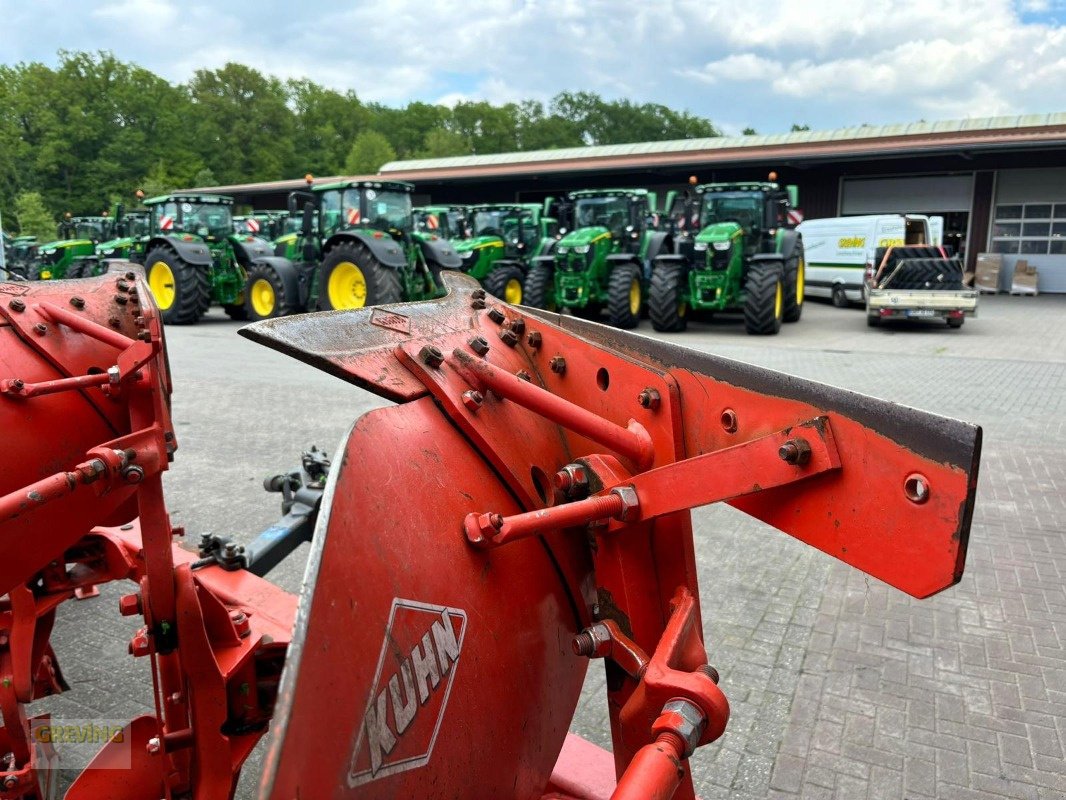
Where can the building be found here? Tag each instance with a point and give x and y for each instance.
(999, 182)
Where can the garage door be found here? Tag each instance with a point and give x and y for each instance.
(1029, 222)
(926, 195)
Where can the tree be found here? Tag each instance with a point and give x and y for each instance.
(33, 218)
(204, 177)
(796, 127)
(369, 151)
(442, 143)
(749, 132)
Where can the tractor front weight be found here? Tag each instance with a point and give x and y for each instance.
(520, 511)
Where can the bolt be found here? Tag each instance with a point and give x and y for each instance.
(10, 782)
(584, 644)
(518, 326)
(477, 305)
(571, 480)
(496, 315)
(710, 672)
(77, 302)
(473, 399)
(795, 451)
(131, 276)
(479, 345)
(534, 339)
(488, 525)
(122, 285)
(129, 605)
(139, 322)
(169, 437)
(18, 384)
(154, 746)
(729, 420)
(115, 322)
(17, 305)
(431, 356)
(144, 336)
(522, 375)
(230, 550)
(40, 329)
(121, 299)
(508, 337)
(558, 365)
(133, 474)
(478, 294)
(649, 398)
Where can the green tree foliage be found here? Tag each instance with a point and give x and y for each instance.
(749, 132)
(369, 151)
(91, 128)
(33, 218)
(796, 127)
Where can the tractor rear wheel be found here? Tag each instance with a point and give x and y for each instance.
(625, 296)
(264, 294)
(764, 304)
(666, 298)
(236, 311)
(539, 288)
(505, 282)
(352, 278)
(795, 284)
(181, 290)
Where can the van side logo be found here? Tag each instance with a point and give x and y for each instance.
(410, 693)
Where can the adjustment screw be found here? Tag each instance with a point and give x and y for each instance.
(17, 305)
(649, 398)
(431, 356)
(77, 302)
(479, 345)
(509, 337)
(534, 339)
(496, 315)
(558, 365)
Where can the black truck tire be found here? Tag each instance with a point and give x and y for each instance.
(764, 303)
(625, 296)
(182, 291)
(538, 291)
(264, 294)
(505, 283)
(352, 278)
(666, 304)
(795, 284)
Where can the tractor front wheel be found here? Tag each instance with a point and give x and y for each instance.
(505, 282)
(264, 294)
(539, 288)
(352, 278)
(764, 304)
(666, 298)
(625, 296)
(182, 291)
(795, 279)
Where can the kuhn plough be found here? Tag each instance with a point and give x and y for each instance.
(522, 509)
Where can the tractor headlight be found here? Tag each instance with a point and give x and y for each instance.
(700, 246)
(582, 249)
(563, 251)
(49, 252)
(110, 252)
(721, 245)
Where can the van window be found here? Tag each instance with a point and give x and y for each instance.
(916, 231)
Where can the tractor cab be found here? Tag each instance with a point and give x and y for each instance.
(95, 229)
(379, 205)
(208, 217)
(752, 213)
(616, 217)
(447, 222)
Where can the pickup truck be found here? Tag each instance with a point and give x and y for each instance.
(917, 282)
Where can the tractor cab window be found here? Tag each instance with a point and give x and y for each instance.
(206, 219)
(453, 225)
(743, 208)
(387, 210)
(606, 212)
(331, 212)
(489, 223)
(89, 230)
(528, 231)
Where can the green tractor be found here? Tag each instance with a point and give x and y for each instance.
(359, 248)
(131, 228)
(506, 238)
(20, 253)
(448, 222)
(66, 257)
(605, 261)
(193, 258)
(736, 251)
(287, 242)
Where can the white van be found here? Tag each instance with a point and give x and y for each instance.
(838, 249)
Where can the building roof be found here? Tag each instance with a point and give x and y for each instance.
(858, 141)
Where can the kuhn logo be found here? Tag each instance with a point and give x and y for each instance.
(414, 678)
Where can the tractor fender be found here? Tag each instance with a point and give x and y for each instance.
(670, 259)
(659, 242)
(547, 261)
(615, 259)
(789, 239)
(250, 249)
(194, 252)
(441, 252)
(769, 258)
(387, 251)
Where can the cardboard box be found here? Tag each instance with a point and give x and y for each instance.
(1024, 279)
(986, 278)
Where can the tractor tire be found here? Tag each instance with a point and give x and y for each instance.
(764, 305)
(625, 296)
(840, 297)
(538, 291)
(505, 283)
(181, 290)
(78, 270)
(236, 311)
(795, 284)
(352, 278)
(264, 294)
(666, 305)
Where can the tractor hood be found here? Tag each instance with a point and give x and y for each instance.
(50, 247)
(477, 243)
(584, 236)
(108, 247)
(719, 232)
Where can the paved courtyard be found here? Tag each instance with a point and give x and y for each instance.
(840, 686)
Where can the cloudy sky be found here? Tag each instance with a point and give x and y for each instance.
(764, 63)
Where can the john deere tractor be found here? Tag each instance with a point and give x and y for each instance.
(605, 261)
(129, 231)
(448, 222)
(193, 258)
(736, 252)
(506, 238)
(20, 253)
(359, 248)
(78, 239)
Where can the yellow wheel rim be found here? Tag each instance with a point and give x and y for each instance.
(263, 298)
(161, 282)
(682, 309)
(634, 297)
(512, 292)
(778, 301)
(801, 270)
(347, 286)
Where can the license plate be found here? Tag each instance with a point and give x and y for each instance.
(921, 312)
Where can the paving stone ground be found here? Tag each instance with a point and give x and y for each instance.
(840, 687)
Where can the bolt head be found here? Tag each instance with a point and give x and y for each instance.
(508, 337)
(477, 305)
(558, 365)
(478, 294)
(649, 398)
(795, 451)
(129, 605)
(77, 302)
(479, 345)
(154, 746)
(431, 356)
(473, 399)
(496, 315)
(534, 339)
(17, 305)
(518, 326)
